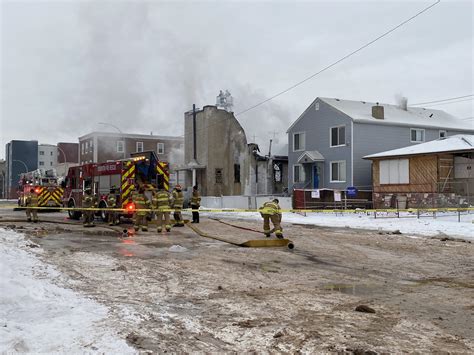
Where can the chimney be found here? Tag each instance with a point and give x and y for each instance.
(377, 112)
(404, 103)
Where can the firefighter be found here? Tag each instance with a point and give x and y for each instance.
(270, 211)
(88, 201)
(31, 202)
(178, 199)
(161, 204)
(112, 216)
(141, 203)
(195, 204)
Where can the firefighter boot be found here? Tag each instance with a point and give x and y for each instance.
(158, 229)
(168, 228)
(144, 229)
(279, 234)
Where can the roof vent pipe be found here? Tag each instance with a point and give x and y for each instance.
(378, 112)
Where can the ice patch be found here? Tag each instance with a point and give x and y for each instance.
(177, 249)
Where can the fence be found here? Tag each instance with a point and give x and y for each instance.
(243, 202)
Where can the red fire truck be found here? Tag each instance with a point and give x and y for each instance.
(45, 184)
(142, 168)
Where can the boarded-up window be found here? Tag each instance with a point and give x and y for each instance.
(236, 172)
(394, 171)
(218, 176)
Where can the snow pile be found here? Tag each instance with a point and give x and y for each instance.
(443, 224)
(37, 316)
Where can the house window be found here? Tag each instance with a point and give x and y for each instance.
(316, 106)
(82, 148)
(236, 172)
(160, 148)
(41, 163)
(218, 176)
(443, 134)
(394, 171)
(51, 163)
(298, 173)
(139, 147)
(417, 135)
(338, 171)
(120, 146)
(298, 141)
(41, 152)
(87, 146)
(338, 136)
(51, 153)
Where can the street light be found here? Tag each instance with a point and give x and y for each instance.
(21, 161)
(65, 160)
(119, 130)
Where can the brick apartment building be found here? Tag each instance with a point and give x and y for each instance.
(100, 147)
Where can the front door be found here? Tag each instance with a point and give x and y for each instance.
(315, 177)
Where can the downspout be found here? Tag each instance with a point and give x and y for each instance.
(352, 152)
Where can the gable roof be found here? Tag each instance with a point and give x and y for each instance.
(361, 111)
(310, 156)
(457, 143)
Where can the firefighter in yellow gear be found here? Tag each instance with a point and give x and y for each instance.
(178, 200)
(141, 203)
(112, 216)
(161, 204)
(270, 211)
(88, 201)
(31, 202)
(195, 204)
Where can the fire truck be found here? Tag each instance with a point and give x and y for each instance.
(141, 169)
(45, 184)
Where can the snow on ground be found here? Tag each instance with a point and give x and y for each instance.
(36, 316)
(444, 223)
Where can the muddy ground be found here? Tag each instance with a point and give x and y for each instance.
(180, 292)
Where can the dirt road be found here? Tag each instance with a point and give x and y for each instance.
(179, 292)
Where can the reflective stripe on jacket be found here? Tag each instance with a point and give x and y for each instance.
(111, 200)
(270, 208)
(195, 198)
(178, 199)
(161, 200)
(32, 199)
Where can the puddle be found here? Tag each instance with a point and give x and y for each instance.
(352, 289)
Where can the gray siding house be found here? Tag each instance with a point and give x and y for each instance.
(327, 142)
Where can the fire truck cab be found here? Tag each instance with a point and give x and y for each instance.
(141, 169)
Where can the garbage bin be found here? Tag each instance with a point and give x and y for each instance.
(402, 202)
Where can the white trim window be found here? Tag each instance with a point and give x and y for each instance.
(120, 146)
(298, 173)
(41, 163)
(298, 141)
(160, 148)
(443, 134)
(394, 171)
(337, 136)
(417, 135)
(337, 171)
(41, 152)
(82, 148)
(139, 147)
(87, 146)
(316, 106)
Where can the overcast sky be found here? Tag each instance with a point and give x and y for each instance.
(67, 65)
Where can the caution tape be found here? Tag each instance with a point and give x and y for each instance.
(239, 210)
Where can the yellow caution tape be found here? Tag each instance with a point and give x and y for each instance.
(205, 210)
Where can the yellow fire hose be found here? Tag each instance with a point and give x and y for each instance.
(256, 243)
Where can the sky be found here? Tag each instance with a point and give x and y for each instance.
(68, 65)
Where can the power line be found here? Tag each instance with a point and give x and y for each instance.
(467, 118)
(432, 102)
(338, 61)
(451, 102)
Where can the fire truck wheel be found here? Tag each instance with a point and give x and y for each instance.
(73, 214)
(103, 213)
